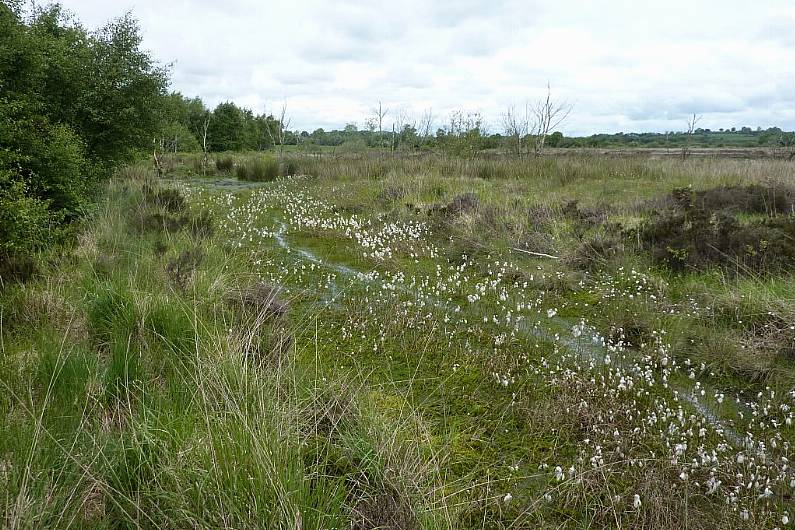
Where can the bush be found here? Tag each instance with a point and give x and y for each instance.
(263, 169)
(64, 122)
(462, 203)
(202, 225)
(702, 229)
(24, 220)
(752, 199)
(44, 182)
(24, 229)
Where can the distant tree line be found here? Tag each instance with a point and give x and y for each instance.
(729, 137)
(473, 137)
(228, 127)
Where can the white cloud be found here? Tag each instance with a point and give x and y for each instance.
(626, 65)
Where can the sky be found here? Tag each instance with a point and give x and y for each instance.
(631, 66)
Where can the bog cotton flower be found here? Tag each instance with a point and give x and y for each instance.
(636, 501)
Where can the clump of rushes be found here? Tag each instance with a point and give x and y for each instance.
(225, 164)
(259, 169)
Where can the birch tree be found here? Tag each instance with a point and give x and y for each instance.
(549, 114)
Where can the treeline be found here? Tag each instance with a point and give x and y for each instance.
(188, 125)
(476, 139)
(73, 105)
(733, 137)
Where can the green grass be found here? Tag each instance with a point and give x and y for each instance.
(142, 385)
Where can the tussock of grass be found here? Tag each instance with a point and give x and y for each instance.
(260, 169)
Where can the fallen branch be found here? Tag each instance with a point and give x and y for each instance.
(539, 254)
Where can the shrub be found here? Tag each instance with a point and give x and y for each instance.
(263, 169)
(44, 181)
(181, 269)
(390, 194)
(752, 199)
(261, 298)
(595, 250)
(143, 220)
(702, 229)
(24, 229)
(202, 225)
(462, 203)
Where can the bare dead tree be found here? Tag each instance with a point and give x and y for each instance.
(403, 120)
(282, 126)
(691, 128)
(549, 114)
(205, 126)
(516, 126)
(379, 115)
(786, 145)
(158, 146)
(465, 132)
(426, 124)
(200, 130)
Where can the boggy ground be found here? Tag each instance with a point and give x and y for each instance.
(412, 343)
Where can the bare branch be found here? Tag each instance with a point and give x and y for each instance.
(516, 126)
(379, 114)
(549, 114)
(691, 128)
(426, 123)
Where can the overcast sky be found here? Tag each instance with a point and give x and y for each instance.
(625, 65)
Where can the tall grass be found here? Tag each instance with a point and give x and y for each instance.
(258, 169)
(151, 415)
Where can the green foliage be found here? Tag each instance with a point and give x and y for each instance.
(226, 128)
(73, 104)
(125, 93)
(48, 157)
(178, 138)
(172, 327)
(24, 220)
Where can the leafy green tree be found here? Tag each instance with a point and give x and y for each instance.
(555, 139)
(125, 94)
(72, 105)
(226, 128)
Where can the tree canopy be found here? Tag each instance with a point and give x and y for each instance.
(73, 104)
